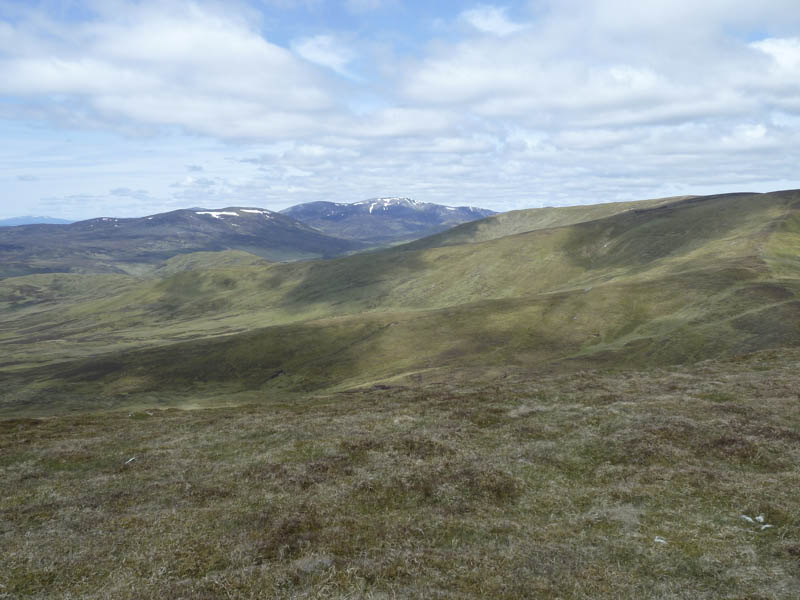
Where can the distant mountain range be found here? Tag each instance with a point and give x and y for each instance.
(382, 221)
(136, 245)
(28, 220)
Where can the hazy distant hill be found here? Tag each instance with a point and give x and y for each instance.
(382, 221)
(134, 245)
(27, 220)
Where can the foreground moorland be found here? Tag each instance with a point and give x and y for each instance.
(597, 484)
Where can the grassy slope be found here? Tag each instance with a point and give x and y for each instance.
(521, 221)
(527, 487)
(680, 281)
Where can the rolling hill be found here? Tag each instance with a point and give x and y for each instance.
(110, 245)
(30, 220)
(651, 283)
(521, 221)
(383, 221)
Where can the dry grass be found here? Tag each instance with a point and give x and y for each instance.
(541, 488)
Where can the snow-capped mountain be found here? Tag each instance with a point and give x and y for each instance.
(383, 220)
(109, 244)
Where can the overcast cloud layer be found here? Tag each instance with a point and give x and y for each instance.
(128, 108)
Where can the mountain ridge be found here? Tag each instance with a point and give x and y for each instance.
(32, 220)
(138, 244)
(385, 220)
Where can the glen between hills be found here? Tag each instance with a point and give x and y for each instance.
(622, 285)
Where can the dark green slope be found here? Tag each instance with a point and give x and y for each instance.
(682, 281)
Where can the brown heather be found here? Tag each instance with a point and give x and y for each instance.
(559, 486)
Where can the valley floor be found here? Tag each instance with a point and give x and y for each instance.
(591, 485)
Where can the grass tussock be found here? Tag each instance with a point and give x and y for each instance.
(597, 484)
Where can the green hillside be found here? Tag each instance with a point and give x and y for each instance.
(646, 283)
(521, 221)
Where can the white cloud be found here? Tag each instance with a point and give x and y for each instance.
(785, 52)
(491, 19)
(675, 19)
(396, 122)
(570, 101)
(187, 66)
(129, 193)
(595, 64)
(326, 51)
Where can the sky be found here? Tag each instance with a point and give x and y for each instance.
(128, 108)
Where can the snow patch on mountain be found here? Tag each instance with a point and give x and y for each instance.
(217, 215)
(255, 211)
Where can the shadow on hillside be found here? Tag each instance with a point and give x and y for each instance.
(358, 282)
(636, 239)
